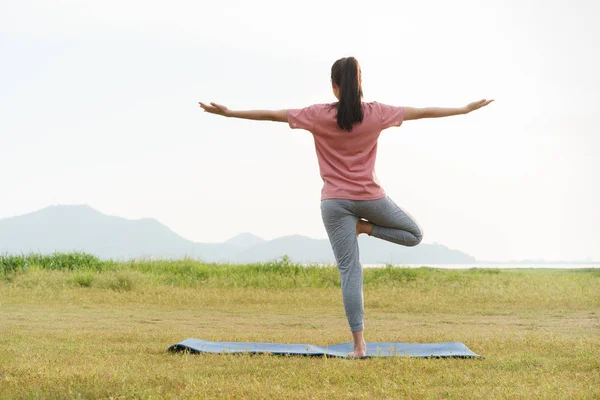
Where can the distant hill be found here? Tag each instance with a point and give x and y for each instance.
(245, 241)
(81, 228)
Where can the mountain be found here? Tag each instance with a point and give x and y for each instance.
(298, 248)
(81, 228)
(245, 241)
(372, 251)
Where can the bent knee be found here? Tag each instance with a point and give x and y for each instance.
(418, 238)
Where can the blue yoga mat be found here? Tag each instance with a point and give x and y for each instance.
(374, 349)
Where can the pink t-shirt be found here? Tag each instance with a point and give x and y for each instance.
(347, 159)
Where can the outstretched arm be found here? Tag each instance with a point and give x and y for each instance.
(262, 115)
(437, 112)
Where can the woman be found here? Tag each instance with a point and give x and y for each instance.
(352, 200)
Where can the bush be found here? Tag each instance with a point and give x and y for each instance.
(70, 261)
(389, 275)
(121, 281)
(10, 265)
(84, 279)
(55, 261)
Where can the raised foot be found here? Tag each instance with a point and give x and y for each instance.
(363, 227)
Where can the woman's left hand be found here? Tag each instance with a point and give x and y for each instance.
(215, 108)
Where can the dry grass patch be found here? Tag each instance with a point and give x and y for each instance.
(69, 333)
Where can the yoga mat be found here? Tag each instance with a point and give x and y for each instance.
(374, 349)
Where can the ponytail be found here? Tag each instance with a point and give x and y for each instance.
(345, 73)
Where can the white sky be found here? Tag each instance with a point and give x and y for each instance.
(98, 105)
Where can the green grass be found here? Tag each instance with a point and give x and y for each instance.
(73, 326)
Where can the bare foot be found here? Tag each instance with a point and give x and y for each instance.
(363, 227)
(359, 351)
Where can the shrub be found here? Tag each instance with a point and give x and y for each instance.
(389, 275)
(121, 281)
(10, 265)
(84, 279)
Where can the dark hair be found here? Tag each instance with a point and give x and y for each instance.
(345, 73)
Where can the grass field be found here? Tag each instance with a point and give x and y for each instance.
(72, 326)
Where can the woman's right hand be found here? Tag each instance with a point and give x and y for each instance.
(437, 112)
(476, 105)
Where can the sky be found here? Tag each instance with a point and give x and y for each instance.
(99, 106)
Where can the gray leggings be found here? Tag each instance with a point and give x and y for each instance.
(390, 223)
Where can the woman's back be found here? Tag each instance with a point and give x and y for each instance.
(347, 159)
(346, 135)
